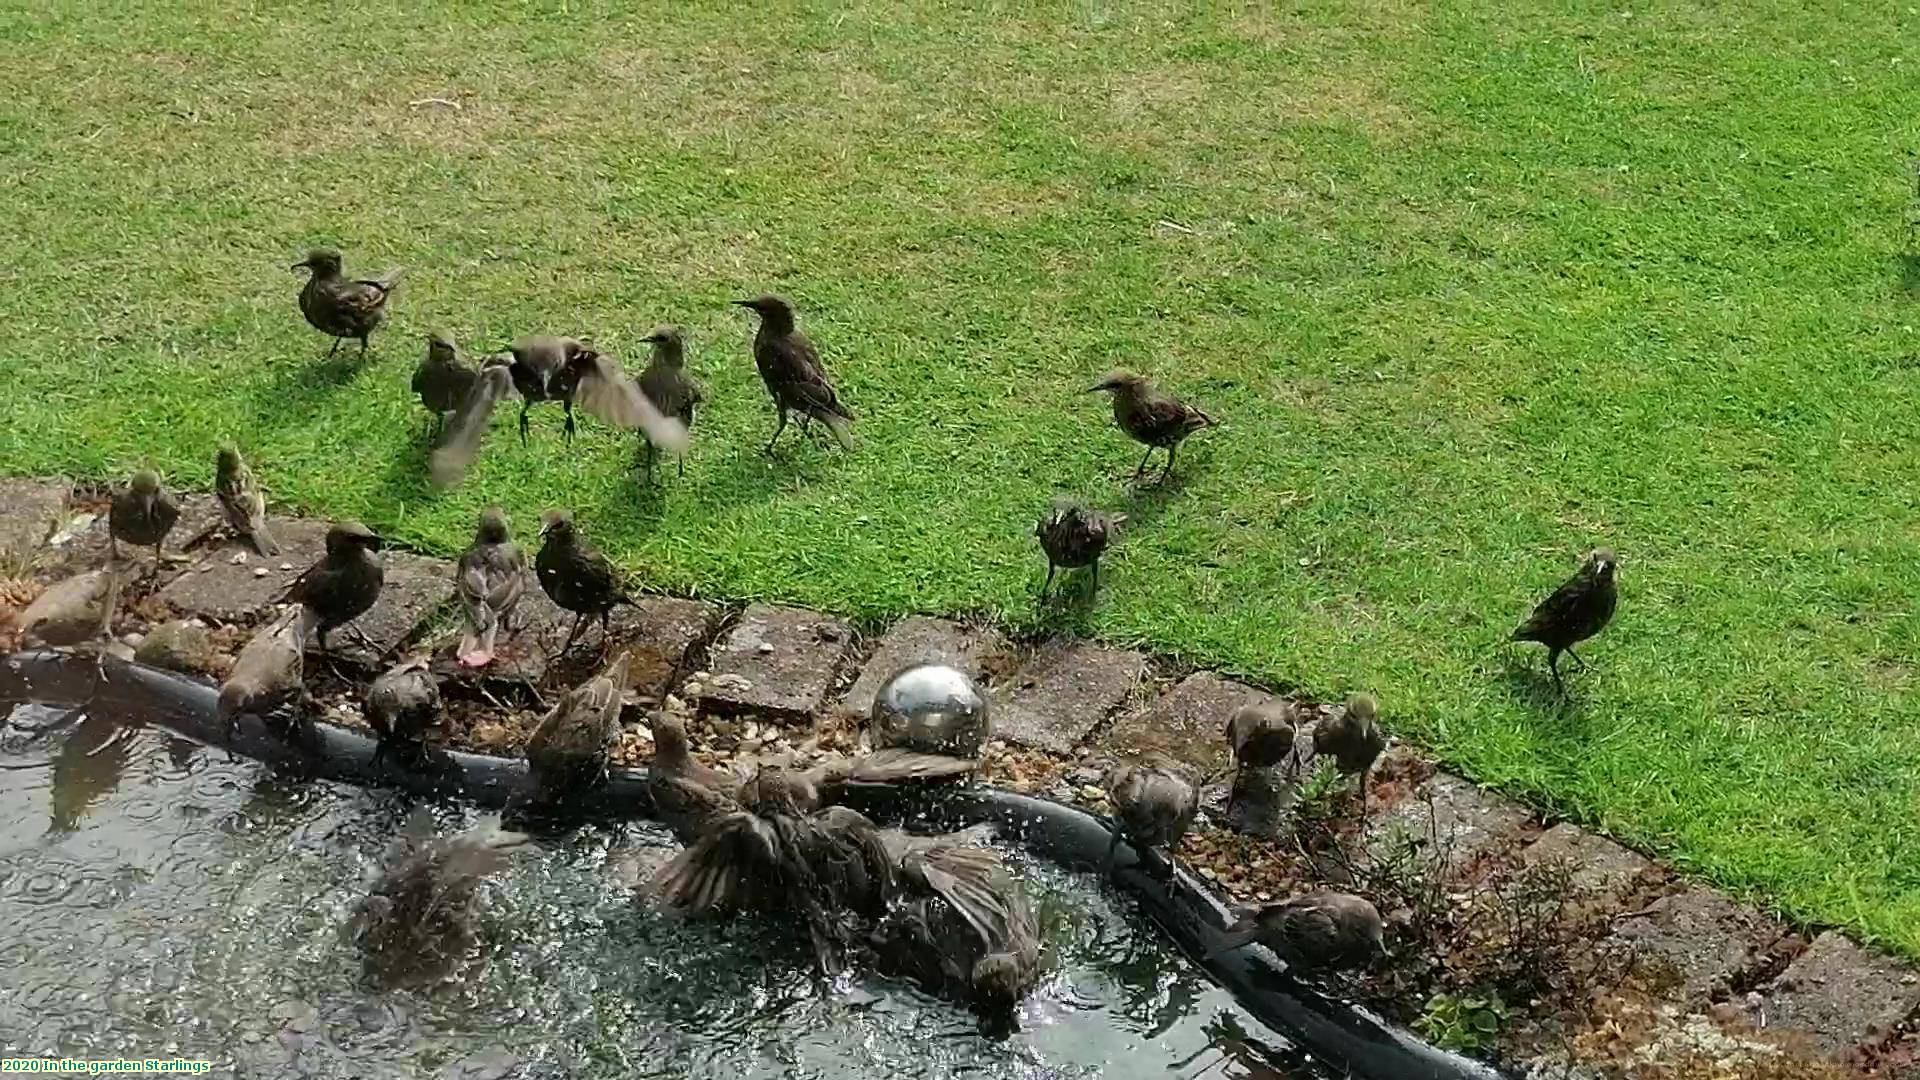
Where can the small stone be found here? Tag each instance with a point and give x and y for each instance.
(692, 689)
(286, 566)
(239, 558)
(259, 571)
(1092, 793)
(1086, 774)
(133, 639)
(766, 648)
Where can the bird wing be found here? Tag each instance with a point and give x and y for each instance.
(897, 765)
(605, 391)
(1557, 610)
(736, 866)
(385, 282)
(791, 367)
(461, 444)
(975, 881)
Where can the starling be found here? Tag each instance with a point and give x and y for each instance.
(1575, 612)
(241, 501)
(341, 307)
(790, 366)
(1315, 932)
(1074, 536)
(963, 927)
(344, 583)
(443, 380)
(576, 577)
(688, 797)
(268, 671)
(68, 612)
(667, 385)
(459, 443)
(568, 752)
(1150, 415)
(142, 514)
(418, 919)
(1261, 734)
(489, 579)
(1154, 802)
(1353, 739)
(402, 703)
(565, 370)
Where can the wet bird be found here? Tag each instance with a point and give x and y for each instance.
(928, 724)
(344, 583)
(68, 612)
(790, 366)
(1314, 933)
(1074, 536)
(963, 927)
(569, 750)
(268, 671)
(1575, 612)
(241, 501)
(1353, 739)
(489, 580)
(665, 382)
(443, 380)
(1150, 415)
(341, 306)
(402, 703)
(1154, 802)
(1261, 734)
(418, 918)
(141, 514)
(688, 797)
(576, 577)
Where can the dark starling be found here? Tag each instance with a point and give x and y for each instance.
(1150, 415)
(1314, 933)
(1154, 802)
(491, 576)
(142, 513)
(402, 703)
(68, 612)
(241, 501)
(1575, 612)
(341, 307)
(345, 582)
(576, 576)
(1261, 734)
(268, 671)
(565, 370)
(418, 919)
(688, 797)
(568, 752)
(665, 382)
(1353, 739)
(443, 380)
(963, 928)
(459, 444)
(1074, 536)
(790, 366)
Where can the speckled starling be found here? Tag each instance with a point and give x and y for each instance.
(576, 577)
(142, 513)
(241, 501)
(403, 702)
(268, 671)
(1074, 536)
(790, 366)
(489, 580)
(345, 582)
(568, 752)
(688, 796)
(1150, 415)
(340, 306)
(1154, 802)
(665, 382)
(1575, 612)
(443, 380)
(1314, 933)
(1353, 739)
(1261, 734)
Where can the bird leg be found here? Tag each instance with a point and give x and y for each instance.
(650, 452)
(1093, 572)
(524, 406)
(606, 630)
(361, 636)
(1142, 467)
(1576, 658)
(1553, 665)
(363, 346)
(567, 404)
(574, 634)
(1048, 584)
(1169, 468)
(113, 548)
(336, 347)
(777, 429)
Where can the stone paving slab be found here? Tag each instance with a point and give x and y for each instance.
(776, 661)
(919, 640)
(656, 633)
(1454, 819)
(1705, 939)
(219, 587)
(1188, 722)
(32, 509)
(1599, 866)
(1064, 691)
(83, 542)
(1837, 995)
(414, 587)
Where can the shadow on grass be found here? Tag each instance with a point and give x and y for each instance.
(1531, 685)
(1068, 608)
(288, 396)
(1910, 271)
(405, 479)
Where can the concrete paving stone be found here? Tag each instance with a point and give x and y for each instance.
(919, 640)
(1837, 995)
(1599, 866)
(1701, 938)
(222, 584)
(656, 633)
(1188, 722)
(1454, 819)
(776, 661)
(1064, 691)
(83, 543)
(414, 587)
(33, 508)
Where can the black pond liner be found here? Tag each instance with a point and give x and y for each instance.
(1337, 1034)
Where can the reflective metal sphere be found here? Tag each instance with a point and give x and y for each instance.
(933, 708)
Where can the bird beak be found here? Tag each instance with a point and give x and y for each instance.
(741, 303)
(375, 542)
(298, 266)
(1096, 387)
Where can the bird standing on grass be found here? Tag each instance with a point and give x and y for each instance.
(142, 513)
(402, 703)
(241, 501)
(339, 306)
(1314, 933)
(1074, 536)
(489, 580)
(1150, 415)
(344, 583)
(1574, 612)
(667, 385)
(443, 380)
(268, 671)
(790, 366)
(569, 750)
(1154, 802)
(577, 577)
(1353, 739)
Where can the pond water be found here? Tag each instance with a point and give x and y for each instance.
(161, 900)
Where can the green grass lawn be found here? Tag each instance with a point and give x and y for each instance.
(1472, 287)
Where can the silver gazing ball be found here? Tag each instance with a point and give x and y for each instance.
(932, 708)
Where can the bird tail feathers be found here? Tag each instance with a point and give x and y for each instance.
(263, 541)
(1239, 934)
(841, 430)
